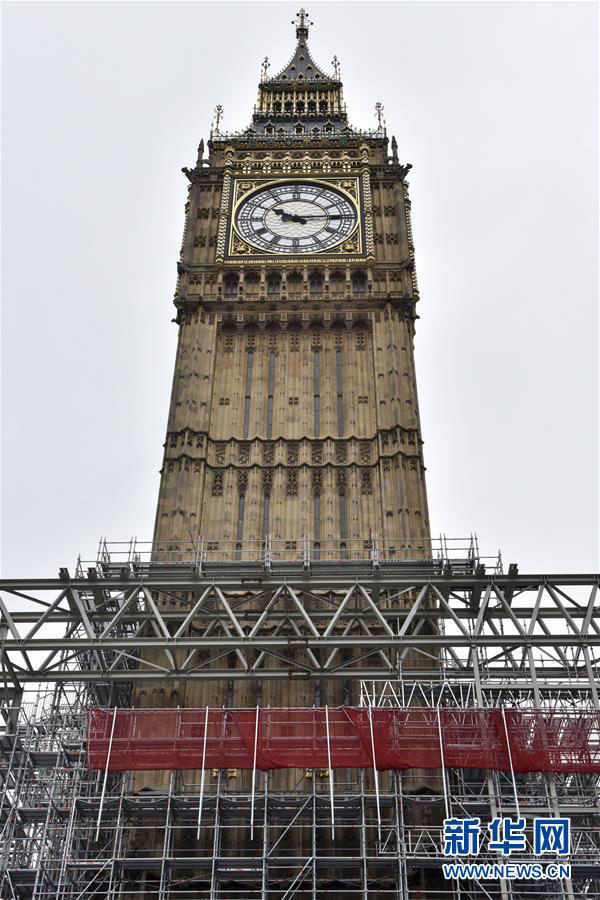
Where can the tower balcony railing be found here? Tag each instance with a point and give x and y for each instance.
(249, 134)
(414, 555)
(269, 113)
(305, 292)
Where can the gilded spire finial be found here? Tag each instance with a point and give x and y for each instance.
(264, 68)
(302, 23)
(379, 114)
(336, 67)
(217, 118)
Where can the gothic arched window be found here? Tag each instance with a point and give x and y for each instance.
(316, 283)
(294, 283)
(231, 285)
(273, 283)
(337, 282)
(251, 282)
(359, 282)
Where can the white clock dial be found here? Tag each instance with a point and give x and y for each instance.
(296, 217)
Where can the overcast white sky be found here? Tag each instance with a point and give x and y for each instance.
(496, 106)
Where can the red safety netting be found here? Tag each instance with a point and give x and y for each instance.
(151, 739)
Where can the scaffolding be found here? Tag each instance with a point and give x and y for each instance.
(424, 555)
(469, 642)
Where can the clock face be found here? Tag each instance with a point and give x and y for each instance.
(296, 217)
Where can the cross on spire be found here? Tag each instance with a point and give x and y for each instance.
(218, 117)
(379, 114)
(264, 67)
(336, 67)
(302, 23)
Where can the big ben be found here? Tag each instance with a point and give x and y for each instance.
(293, 430)
(294, 417)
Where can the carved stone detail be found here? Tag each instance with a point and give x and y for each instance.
(291, 487)
(217, 484)
(267, 482)
(316, 482)
(366, 486)
(341, 453)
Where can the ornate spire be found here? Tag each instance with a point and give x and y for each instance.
(302, 100)
(302, 24)
(302, 66)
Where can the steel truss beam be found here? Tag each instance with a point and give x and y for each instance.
(178, 624)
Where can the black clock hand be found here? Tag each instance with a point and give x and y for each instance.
(293, 217)
(289, 217)
(325, 216)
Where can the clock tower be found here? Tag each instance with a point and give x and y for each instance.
(294, 422)
(293, 434)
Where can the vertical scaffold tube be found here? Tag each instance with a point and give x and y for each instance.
(110, 742)
(202, 776)
(375, 776)
(254, 775)
(330, 773)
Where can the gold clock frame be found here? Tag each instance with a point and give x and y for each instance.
(242, 193)
(233, 249)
